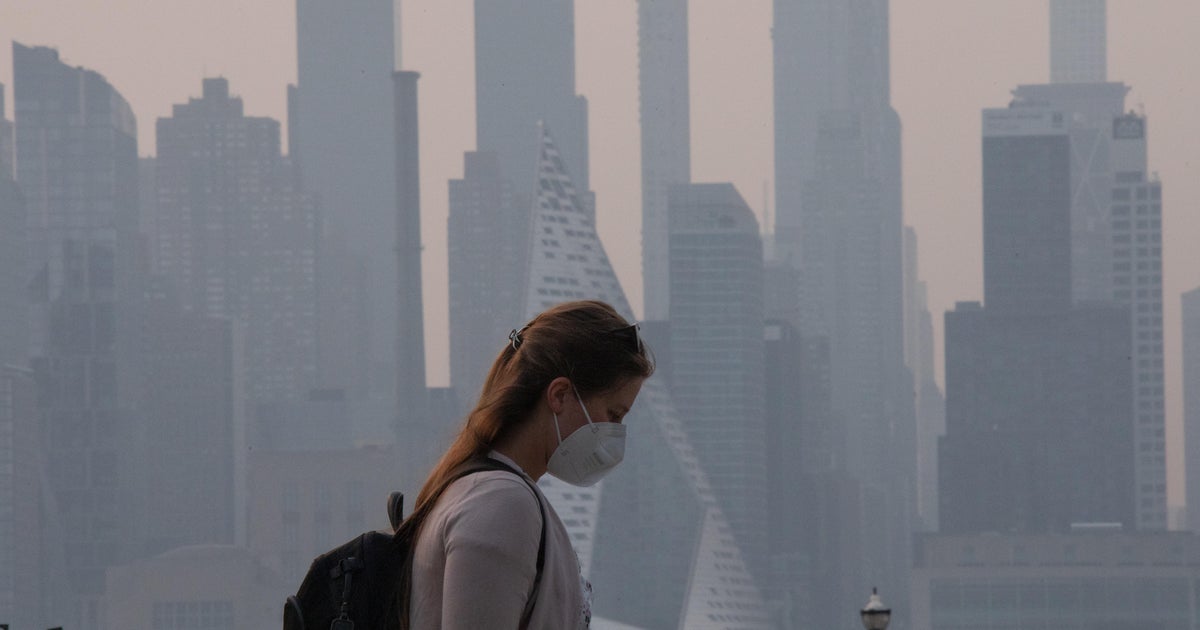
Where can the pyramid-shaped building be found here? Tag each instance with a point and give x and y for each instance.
(650, 537)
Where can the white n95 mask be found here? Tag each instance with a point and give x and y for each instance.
(588, 454)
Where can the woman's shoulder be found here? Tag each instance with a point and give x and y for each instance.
(492, 491)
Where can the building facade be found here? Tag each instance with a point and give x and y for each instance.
(76, 148)
(525, 76)
(1089, 578)
(1038, 389)
(716, 317)
(666, 142)
(345, 148)
(238, 237)
(488, 253)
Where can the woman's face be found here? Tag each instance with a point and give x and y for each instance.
(608, 406)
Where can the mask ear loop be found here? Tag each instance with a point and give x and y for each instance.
(556, 431)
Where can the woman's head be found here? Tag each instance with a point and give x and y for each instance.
(586, 342)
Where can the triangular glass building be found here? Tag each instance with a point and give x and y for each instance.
(650, 537)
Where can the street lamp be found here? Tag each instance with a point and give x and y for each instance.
(875, 616)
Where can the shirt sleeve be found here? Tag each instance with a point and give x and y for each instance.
(491, 555)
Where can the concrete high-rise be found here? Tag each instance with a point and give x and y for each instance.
(344, 144)
(488, 251)
(21, 474)
(1078, 41)
(237, 236)
(716, 317)
(413, 417)
(14, 306)
(525, 74)
(1115, 222)
(1038, 389)
(76, 148)
(661, 554)
(194, 428)
(839, 224)
(666, 142)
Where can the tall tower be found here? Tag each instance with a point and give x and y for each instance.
(76, 148)
(1116, 221)
(1078, 41)
(413, 411)
(525, 73)
(238, 237)
(346, 150)
(839, 224)
(1038, 389)
(666, 143)
(716, 265)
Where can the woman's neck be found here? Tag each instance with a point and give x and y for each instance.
(526, 446)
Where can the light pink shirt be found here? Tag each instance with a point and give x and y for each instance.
(476, 559)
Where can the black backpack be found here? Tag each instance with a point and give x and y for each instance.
(365, 583)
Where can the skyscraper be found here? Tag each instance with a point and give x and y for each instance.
(716, 283)
(346, 150)
(76, 147)
(488, 253)
(238, 237)
(658, 554)
(931, 404)
(1078, 41)
(14, 306)
(1116, 207)
(412, 422)
(1038, 389)
(839, 224)
(666, 144)
(525, 73)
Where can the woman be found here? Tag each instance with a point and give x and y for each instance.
(552, 402)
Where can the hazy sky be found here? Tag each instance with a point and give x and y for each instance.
(950, 58)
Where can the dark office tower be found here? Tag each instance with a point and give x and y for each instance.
(716, 274)
(1191, 406)
(413, 411)
(76, 148)
(347, 156)
(666, 145)
(1038, 390)
(488, 242)
(1116, 236)
(525, 73)
(1078, 41)
(1026, 231)
(191, 429)
(238, 238)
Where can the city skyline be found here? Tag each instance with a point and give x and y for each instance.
(1039, 347)
(941, 144)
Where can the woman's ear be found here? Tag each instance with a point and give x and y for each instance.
(557, 392)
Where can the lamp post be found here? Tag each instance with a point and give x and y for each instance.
(875, 616)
